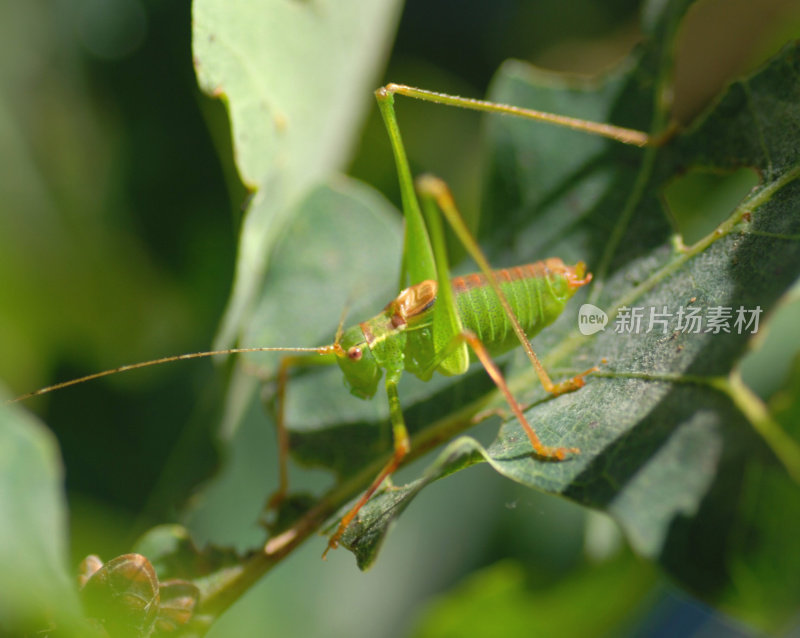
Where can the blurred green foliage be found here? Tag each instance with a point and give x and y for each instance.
(117, 233)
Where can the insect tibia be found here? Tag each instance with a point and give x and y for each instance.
(618, 133)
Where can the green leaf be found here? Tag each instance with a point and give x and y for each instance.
(35, 590)
(663, 447)
(288, 134)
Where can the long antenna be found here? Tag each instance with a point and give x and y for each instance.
(331, 349)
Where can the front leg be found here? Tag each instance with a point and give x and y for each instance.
(402, 445)
(286, 364)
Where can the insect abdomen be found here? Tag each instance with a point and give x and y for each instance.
(537, 293)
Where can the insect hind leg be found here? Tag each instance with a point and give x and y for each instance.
(540, 449)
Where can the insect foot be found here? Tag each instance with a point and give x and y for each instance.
(575, 383)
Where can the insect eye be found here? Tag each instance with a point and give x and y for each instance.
(354, 353)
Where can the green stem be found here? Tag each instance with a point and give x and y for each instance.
(782, 445)
(225, 587)
(736, 222)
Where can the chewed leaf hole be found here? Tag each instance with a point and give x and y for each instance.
(700, 200)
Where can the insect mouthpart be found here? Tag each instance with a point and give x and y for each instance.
(576, 275)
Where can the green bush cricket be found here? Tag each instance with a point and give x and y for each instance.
(435, 323)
